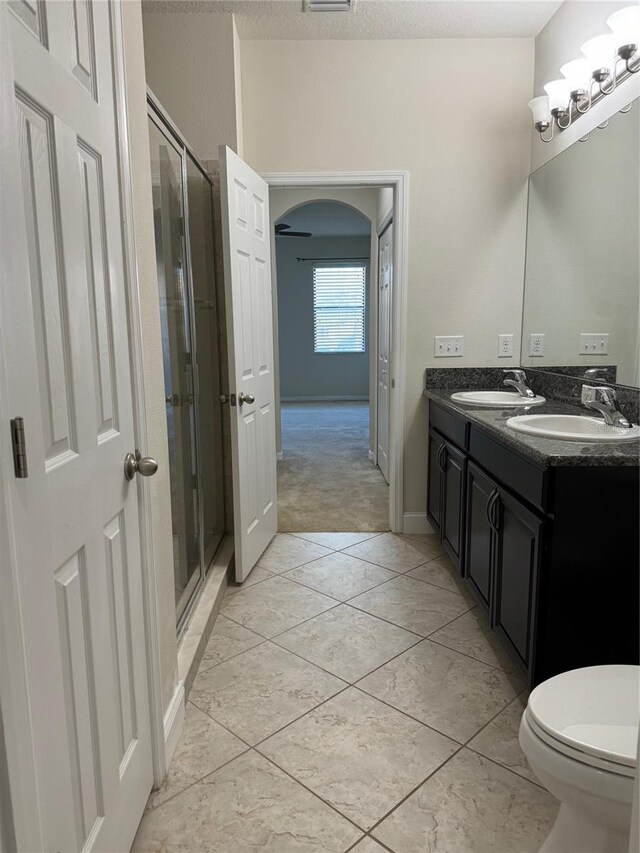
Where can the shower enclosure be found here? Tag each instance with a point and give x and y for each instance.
(183, 222)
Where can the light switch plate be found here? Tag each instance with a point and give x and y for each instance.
(448, 346)
(594, 343)
(536, 344)
(505, 346)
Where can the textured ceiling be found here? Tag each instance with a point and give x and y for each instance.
(377, 19)
(327, 219)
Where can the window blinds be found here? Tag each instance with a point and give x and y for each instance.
(339, 308)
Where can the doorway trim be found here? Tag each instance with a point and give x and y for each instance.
(399, 181)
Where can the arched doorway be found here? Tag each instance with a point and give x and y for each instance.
(325, 280)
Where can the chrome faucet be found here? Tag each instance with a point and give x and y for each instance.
(604, 400)
(519, 381)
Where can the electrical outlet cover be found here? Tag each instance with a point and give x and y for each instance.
(505, 346)
(536, 344)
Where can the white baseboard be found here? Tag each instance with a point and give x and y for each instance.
(173, 722)
(416, 522)
(348, 398)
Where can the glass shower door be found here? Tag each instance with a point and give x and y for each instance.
(206, 329)
(167, 183)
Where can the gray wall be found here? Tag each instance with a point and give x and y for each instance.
(303, 373)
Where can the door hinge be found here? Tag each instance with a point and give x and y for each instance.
(19, 448)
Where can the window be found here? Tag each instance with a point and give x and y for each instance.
(339, 308)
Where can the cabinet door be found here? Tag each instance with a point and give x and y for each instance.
(479, 539)
(434, 480)
(517, 559)
(454, 464)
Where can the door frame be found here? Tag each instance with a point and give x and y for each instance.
(19, 800)
(384, 224)
(399, 181)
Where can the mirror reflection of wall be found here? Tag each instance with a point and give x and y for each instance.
(583, 255)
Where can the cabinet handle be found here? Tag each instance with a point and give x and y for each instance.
(493, 497)
(440, 458)
(493, 514)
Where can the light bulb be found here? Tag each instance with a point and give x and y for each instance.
(558, 92)
(625, 25)
(577, 74)
(600, 53)
(540, 108)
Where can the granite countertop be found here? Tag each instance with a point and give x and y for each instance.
(542, 451)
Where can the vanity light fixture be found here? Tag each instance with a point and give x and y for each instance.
(607, 60)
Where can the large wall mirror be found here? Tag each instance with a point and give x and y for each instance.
(582, 277)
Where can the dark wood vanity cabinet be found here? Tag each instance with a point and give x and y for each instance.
(479, 535)
(517, 555)
(551, 554)
(447, 483)
(503, 547)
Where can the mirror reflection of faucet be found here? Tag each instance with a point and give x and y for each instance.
(596, 373)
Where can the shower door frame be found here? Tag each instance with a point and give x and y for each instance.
(159, 116)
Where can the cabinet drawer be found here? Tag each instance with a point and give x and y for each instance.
(518, 474)
(452, 427)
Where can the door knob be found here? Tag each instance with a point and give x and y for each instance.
(245, 398)
(134, 464)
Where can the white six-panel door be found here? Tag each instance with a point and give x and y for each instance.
(65, 347)
(385, 284)
(247, 250)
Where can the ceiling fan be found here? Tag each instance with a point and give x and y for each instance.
(282, 230)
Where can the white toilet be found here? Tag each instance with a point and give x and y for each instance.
(579, 732)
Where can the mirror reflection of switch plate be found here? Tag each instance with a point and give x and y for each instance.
(536, 344)
(594, 343)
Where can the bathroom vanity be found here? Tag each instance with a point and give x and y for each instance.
(545, 533)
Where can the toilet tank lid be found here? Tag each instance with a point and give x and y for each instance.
(595, 710)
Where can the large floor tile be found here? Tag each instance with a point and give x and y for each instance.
(499, 740)
(472, 635)
(287, 551)
(256, 693)
(358, 754)
(336, 541)
(471, 806)
(204, 746)
(340, 575)
(249, 806)
(441, 572)
(227, 640)
(368, 845)
(347, 642)
(256, 576)
(274, 606)
(397, 552)
(412, 604)
(446, 690)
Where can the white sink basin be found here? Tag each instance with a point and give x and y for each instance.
(572, 428)
(498, 399)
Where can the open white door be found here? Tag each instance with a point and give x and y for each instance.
(64, 346)
(247, 262)
(385, 284)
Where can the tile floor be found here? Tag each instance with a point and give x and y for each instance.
(351, 698)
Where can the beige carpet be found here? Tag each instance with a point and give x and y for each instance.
(326, 481)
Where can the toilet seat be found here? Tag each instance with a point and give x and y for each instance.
(591, 715)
